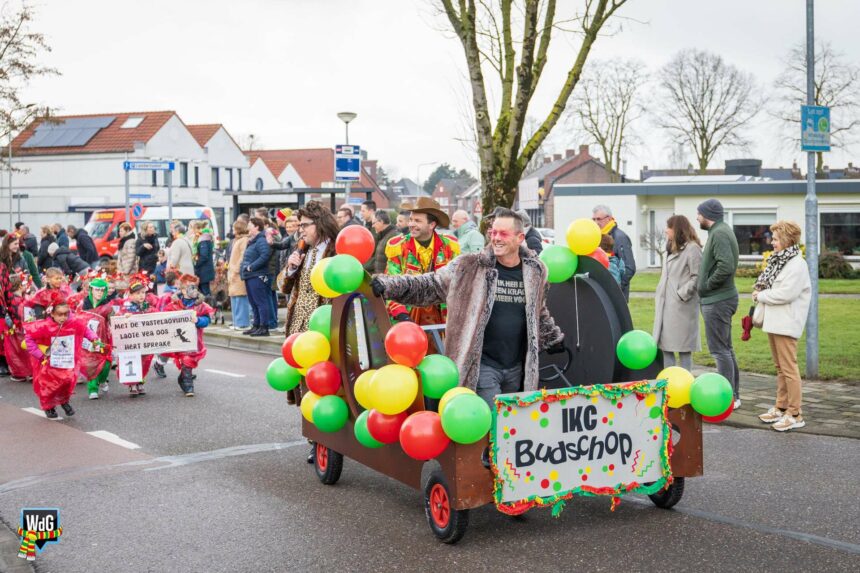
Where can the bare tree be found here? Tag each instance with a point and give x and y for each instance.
(20, 49)
(705, 104)
(654, 241)
(836, 85)
(506, 42)
(250, 142)
(606, 103)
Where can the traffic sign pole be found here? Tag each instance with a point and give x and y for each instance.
(169, 175)
(127, 199)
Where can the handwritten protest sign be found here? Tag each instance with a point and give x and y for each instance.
(607, 439)
(155, 333)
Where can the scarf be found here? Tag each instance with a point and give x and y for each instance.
(775, 264)
(609, 226)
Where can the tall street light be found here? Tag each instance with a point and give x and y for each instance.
(346, 117)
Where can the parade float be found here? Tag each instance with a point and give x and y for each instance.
(607, 420)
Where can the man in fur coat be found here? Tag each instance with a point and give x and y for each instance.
(498, 322)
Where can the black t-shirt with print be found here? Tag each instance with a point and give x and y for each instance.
(505, 337)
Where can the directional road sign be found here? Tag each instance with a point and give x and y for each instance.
(149, 165)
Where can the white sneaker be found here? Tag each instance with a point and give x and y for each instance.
(737, 404)
(104, 387)
(94, 395)
(772, 415)
(789, 422)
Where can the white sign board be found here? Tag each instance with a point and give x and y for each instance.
(603, 439)
(155, 333)
(129, 367)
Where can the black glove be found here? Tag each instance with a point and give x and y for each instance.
(403, 317)
(377, 286)
(557, 348)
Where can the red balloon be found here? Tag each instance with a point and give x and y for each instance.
(406, 344)
(720, 417)
(601, 257)
(384, 428)
(287, 350)
(422, 436)
(323, 378)
(357, 241)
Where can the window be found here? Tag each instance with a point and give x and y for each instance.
(752, 231)
(239, 171)
(183, 174)
(196, 176)
(216, 184)
(131, 122)
(258, 185)
(229, 179)
(154, 178)
(841, 232)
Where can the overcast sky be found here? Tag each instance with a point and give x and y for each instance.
(282, 69)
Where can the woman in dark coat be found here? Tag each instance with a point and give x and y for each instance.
(147, 249)
(44, 259)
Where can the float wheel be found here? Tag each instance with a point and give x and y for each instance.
(668, 497)
(328, 464)
(447, 524)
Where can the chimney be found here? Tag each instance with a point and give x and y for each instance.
(556, 157)
(569, 153)
(850, 165)
(583, 150)
(547, 159)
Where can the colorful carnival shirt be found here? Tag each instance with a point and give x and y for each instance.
(406, 256)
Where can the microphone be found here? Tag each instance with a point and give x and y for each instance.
(302, 247)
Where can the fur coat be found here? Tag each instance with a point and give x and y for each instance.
(470, 280)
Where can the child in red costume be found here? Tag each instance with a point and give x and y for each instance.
(13, 339)
(55, 280)
(189, 298)
(54, 344)
(139, 301)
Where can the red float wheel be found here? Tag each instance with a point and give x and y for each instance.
(669, 496)
(447, 524)
(328, 464)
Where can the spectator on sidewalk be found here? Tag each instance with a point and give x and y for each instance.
(616, 265)
(60, 233)
(385, 231)
(17, 259)
(719, 296)
(602, 215)
(236, 289)
(125, 251)
(85, 246)
(367, 211)
(345, 217)
(676, 301)
(71, 264)
(783, 291)
(534, 240)
(43, 259)
(28, 240)
(255, 272)
(146, 248)
(471, 240)
(180, 257)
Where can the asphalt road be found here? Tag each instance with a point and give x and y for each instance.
(219, 483)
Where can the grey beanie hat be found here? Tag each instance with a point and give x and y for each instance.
(711, 210)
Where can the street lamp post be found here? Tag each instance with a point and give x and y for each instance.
(346, 117)
(811, 204)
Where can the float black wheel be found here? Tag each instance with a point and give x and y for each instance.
(328, 464)
(447, 524)
(668, 497)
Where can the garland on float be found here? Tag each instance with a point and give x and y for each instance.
(557, 501)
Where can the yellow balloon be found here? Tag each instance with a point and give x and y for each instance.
(678, 388)
(363, 391)
(394, 388)
(447, 396)
(310, 348)
(583, 236)
(309, 400)
(318, 280)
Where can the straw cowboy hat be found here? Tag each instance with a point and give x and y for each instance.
(431, 207)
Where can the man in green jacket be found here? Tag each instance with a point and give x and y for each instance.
(717, 291)
(471, 240)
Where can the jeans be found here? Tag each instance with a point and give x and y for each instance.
(241, 309)
(492, 381)
(718, 333)
(273, 321)
(204, 288)
(685, 357)
(261, 300)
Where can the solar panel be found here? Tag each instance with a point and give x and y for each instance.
(72, 132)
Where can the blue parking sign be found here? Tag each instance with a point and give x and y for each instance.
(814, 128)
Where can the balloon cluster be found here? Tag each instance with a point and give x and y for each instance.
(710, 394)
(343, 273)
(387, 393)
(583, 239)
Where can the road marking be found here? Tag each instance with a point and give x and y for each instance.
(186, 459)
(39, 412)
(223, 373)
(114, 439)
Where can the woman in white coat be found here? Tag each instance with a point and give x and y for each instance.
(782, 293)
(676, 302)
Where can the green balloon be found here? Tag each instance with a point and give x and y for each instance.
(636, 349)
(344, 273)
(560, 263)
(321, 320)
(330, 413)
(466, 419)
(711, 394)
(362, 434)
(281, 376)
(438, 375)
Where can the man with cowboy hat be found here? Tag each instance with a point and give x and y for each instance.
(421, 250)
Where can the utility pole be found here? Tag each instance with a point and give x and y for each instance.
(811, 206)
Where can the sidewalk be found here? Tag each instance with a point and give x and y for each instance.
(829, 408)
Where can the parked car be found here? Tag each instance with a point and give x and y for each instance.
(547, 234)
